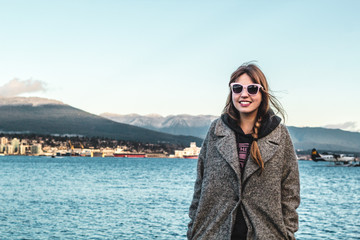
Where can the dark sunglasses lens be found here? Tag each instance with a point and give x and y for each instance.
(237, 88)
(253, 89)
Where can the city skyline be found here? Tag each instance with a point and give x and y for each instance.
(173, 58)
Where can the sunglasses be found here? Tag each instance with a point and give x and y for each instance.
(252, 89)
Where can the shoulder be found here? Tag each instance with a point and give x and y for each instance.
(279, 136)
(285, 137)
(281, 130)
(284, 131)
(215, 124)
(211, 130)
(217, 129)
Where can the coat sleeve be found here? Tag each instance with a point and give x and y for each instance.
(290, 189)
(198, 182)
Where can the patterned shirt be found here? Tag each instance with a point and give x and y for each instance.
(243, 154)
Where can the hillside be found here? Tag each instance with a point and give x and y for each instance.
(43, 116)
(324, 138)
(304, 138)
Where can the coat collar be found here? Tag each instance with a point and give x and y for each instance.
(226, 145)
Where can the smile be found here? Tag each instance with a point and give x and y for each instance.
(245, 103)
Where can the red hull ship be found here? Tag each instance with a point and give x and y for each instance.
(130, 155)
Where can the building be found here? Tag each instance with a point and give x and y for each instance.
(36, 149)
(3, 144)
(9, 149)
(15, 143)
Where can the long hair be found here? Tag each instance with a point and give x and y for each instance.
(257, 76)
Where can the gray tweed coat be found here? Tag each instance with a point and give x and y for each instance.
(268, 201)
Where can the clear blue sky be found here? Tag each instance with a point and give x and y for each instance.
(175, 57)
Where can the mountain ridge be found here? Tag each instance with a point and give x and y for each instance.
(33, 101)
(174, 124)
(303, 137)
(44, 117)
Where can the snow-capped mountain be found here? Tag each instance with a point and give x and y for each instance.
(174, 124)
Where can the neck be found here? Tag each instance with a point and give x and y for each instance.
(247, 122)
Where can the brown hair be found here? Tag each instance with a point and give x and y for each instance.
(257, 76)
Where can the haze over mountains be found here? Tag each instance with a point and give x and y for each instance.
(51, 117)
(303, 138)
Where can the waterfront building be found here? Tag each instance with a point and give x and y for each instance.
(3, 143)
(2, 148)
(24, 148)
(15, 143)
(9, 149)
(36, 149)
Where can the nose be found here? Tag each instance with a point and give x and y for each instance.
(244, 93)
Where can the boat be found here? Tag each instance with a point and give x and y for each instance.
(191, 152)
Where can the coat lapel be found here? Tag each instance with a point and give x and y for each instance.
(226, 145)
(268, 147)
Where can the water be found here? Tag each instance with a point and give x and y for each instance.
(330, 201)
(113, 198)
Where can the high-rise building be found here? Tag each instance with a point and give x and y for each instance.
(3, 142)
(15, 143)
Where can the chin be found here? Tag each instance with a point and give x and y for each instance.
(247, 111)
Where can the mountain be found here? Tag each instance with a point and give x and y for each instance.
(33, 101)
(324, 138)
(303, 137)
(45, 116)
(174, 124)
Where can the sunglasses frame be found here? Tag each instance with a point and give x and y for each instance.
(245, 87)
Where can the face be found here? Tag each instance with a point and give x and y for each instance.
(246, 104)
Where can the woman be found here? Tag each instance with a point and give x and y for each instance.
(247, 184)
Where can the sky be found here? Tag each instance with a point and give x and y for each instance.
(175, 57)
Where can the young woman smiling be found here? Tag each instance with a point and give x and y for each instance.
(247, 184)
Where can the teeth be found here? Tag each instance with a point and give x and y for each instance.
(244, 102)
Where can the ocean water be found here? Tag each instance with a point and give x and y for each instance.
(117, 198)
